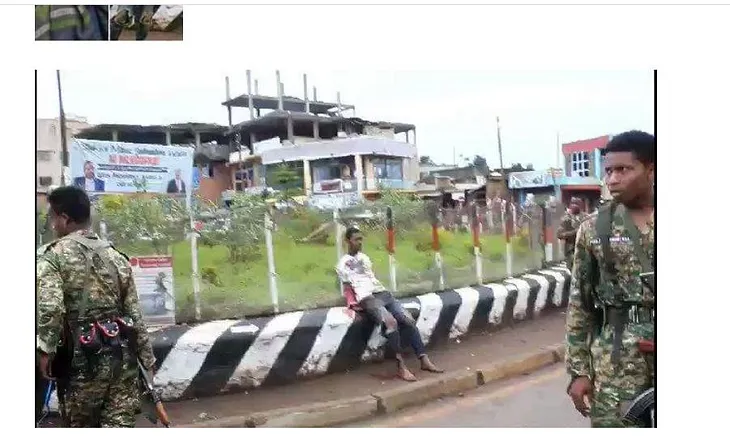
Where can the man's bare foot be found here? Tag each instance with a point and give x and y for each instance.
(427, 365)
(404, 373)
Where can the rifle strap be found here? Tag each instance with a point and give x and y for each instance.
(604, 228)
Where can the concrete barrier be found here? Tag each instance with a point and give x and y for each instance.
(231, 355)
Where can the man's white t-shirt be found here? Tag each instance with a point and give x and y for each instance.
(358, 271)
(90, 185)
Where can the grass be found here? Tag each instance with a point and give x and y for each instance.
(305, 271)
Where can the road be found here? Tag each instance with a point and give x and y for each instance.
(478, 348)
(536, 400)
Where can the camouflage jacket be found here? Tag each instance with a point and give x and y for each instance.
(581, 321)
(61, 278)
(71, 23)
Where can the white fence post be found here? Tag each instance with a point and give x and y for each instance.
(475, 231)
(273, 288)
(433, 215)
(508, 226)
(391, 249)
(338, 243)
(195, 276)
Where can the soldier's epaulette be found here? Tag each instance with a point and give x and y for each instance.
(43, 249)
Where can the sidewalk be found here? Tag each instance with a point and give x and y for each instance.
(471, 352)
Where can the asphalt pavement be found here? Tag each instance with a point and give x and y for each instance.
(537, 400)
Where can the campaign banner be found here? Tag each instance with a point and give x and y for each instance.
(119, 167)
(155, 288)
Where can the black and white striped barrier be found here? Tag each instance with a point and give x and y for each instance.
(229, 355)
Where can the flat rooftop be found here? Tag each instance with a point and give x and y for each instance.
(291, 104)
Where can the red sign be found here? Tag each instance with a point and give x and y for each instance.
(151, 261)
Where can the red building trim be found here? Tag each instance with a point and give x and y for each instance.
(586, 144)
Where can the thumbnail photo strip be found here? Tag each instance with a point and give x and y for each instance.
(109, 22)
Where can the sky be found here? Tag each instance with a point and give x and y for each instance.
(454, 112)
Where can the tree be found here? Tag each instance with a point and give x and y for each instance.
(481, 164)
(426, 160)
(240, 229)
(286, 179)
(131, 219)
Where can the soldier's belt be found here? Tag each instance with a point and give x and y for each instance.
(631, 314)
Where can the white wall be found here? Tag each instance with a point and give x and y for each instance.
(48, 145)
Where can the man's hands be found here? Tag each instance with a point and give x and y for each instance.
(581, 392)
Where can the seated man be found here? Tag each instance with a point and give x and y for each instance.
(355, 269)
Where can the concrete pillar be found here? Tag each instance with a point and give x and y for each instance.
(197, 140)
(307, 177)
(115, 135)
(359, 173)
(316, 130)
(306, 95)
(407, 137)
(290, 128)
(369, 171)
(414, 137)
(279, 91)
(228, 98)
(234, 168)
(168, 137)
(252, 139)
(257, 174)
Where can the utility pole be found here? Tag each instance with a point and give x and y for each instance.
(62, 121)
(501, 162)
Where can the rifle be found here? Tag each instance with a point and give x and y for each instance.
(148, 390)
(45, 407)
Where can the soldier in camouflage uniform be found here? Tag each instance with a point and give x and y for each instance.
(71, 23)
(87, 302)
(569, 228)
(611, 310)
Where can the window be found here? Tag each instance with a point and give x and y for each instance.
(391, 169)
(45, 181)
(580, 164)
(43, 155)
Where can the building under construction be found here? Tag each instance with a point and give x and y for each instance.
(339, 158)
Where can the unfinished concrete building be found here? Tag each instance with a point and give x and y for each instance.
(338, 157)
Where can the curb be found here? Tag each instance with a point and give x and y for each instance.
(338, 412)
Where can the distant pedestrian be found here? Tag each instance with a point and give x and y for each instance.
(569, 228)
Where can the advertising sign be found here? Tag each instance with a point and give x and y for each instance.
(530, 179)
(155, 288)
(119, 167)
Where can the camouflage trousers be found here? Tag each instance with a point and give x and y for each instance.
(109, 398)
(616, 385)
